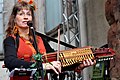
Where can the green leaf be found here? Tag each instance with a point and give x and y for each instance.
(33, 65)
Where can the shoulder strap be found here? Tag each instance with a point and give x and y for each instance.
(17, 42)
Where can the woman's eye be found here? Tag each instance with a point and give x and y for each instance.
(20, 13)
(29, 14)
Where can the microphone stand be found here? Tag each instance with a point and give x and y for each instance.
(37, 57)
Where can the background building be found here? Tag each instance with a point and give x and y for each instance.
(82, 23)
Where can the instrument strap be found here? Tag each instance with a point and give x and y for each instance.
(17, 41)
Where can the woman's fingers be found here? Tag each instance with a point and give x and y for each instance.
(55, 66)
(92, 62)
(89, 62)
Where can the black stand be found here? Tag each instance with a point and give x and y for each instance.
(40, 72)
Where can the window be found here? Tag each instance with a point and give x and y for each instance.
(53, 14)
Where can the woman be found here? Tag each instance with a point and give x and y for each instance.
(18, 44)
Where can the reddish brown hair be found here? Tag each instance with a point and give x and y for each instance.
(17, 7)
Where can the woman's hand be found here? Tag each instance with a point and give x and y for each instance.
(86, 63)
(54, 65)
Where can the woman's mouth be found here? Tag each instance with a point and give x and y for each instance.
(25, 22)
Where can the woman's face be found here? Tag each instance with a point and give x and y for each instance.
(22, 17)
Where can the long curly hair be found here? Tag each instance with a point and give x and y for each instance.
(17, 7)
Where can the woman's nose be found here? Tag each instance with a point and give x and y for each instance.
(25, 16)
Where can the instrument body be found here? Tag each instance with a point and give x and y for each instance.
(73, 57)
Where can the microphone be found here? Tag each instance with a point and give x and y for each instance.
(30, 24)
